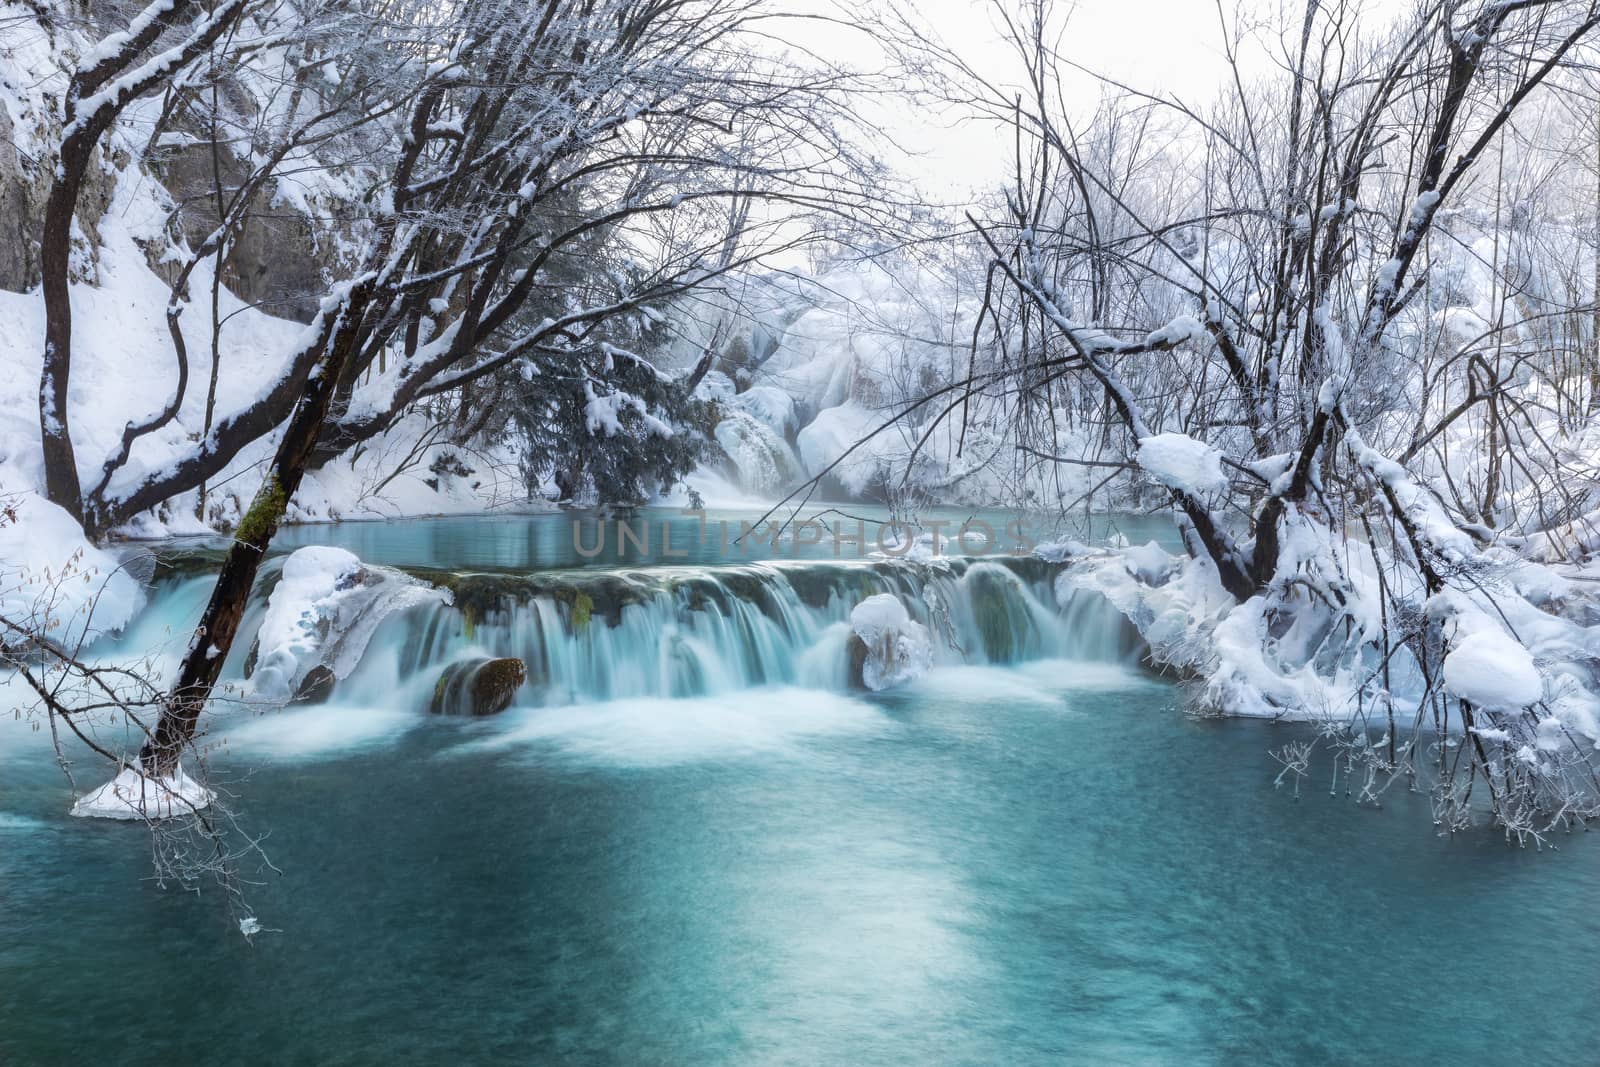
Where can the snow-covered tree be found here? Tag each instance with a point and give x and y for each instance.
(1255, 297)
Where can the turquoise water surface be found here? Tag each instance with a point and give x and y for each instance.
(1034, 860)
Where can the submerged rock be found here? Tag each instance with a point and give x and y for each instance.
(478, 687)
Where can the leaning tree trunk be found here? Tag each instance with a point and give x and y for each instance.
(219, 625)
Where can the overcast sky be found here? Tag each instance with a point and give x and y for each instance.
(1164, 46)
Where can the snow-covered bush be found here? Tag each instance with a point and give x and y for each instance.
(1503, 656)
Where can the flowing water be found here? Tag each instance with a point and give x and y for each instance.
(690, 841)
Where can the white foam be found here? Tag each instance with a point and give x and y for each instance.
(1049, 682)
(980, 684)
(1073, 675)
(656, 732)
(313, 732)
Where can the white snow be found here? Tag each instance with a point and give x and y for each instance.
(132, 795)
(1493, 671)
(1422, 207)
(54, 582)
(1181, 462)
(898, 647)
(1150, 563)
(832, 433)
(1181, 329)
(324, 610)
(603, 413)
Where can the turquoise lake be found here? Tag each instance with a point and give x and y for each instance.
(1029, 855)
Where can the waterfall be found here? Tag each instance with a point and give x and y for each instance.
(606, 634)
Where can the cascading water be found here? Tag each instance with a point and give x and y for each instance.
(597, 635)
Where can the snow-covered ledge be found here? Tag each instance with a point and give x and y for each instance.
(134, 795)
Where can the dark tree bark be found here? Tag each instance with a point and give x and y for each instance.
(95, 96)
(219, 625)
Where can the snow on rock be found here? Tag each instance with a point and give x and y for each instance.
(1149, 562)
(133, 795)
(1191, 624)
(323, 612)
(56, 584)
(900, 542)
(898, 647)
(1180, 462)
(1491, 670)
(1062, 551)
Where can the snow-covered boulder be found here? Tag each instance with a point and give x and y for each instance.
(324, 610)
(894, 647)
(834, 433)
(1149, 562)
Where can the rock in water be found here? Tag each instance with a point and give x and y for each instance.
(856, 649)
(319, 619)
(894, 648)
(478, 687)
(316, 686)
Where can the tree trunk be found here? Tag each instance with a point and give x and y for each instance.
(1593, 406)
(55, 253)
(219, 625)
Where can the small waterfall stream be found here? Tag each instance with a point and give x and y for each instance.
(606, 634)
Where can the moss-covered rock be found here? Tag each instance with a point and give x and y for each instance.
(478, 687)
(587, 596)
(814, 585)
(582, 609)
